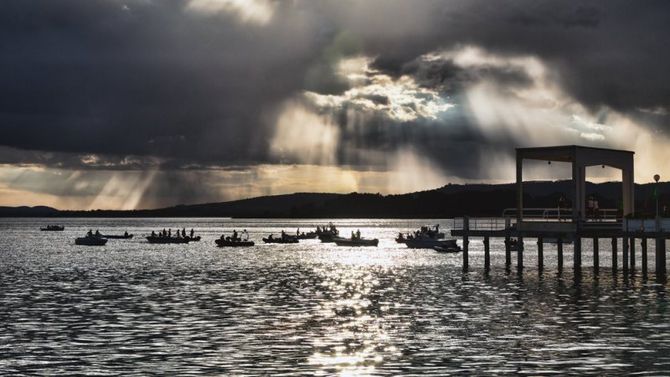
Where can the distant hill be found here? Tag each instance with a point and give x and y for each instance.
(448, 201)
(39, 211)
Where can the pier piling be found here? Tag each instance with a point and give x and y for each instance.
(614, 255)
(508, 254)
(466, 227)
(596, 256)
(643, 245)
(487, 254)
(559, 247)
(624, 256)
(632, 255)
(519, 255)
(540, 253)
(660, 257)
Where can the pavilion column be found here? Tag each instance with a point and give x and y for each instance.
(628, 182)
(519, 188)
(578, 202)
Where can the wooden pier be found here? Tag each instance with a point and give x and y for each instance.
(628, 250)
(562, 225)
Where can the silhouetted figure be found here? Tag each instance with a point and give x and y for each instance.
(90, 233)
(192, 233)
(170, 232)
(153, 234)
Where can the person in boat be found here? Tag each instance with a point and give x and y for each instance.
(153, 234)
(353, 235)
(246, 235)
(234, 238)
(90, 233)
(125, 234)
(358, 234)
(97, 233)
(192, 233)
(271, 237)
(170, 232)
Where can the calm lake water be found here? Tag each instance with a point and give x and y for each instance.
(312, 308)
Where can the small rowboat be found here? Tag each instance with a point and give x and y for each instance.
(237, 243)
(328, 237)
(448, 246)
(90, 241)
(356, 242)
(167, 240)
(53, 228)
(307, 236)
(281, 240)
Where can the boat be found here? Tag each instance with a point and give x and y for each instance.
(327, 234)
(90, 241)
(193, 239)
(448, 246)
(167, 240)
(307, 236)
(356, 242)
(53, 228)
(236, 243)
(118, 236)
(513, 244)
(427, 243)
(285, 238)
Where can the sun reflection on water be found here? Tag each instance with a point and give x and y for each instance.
(356, 340)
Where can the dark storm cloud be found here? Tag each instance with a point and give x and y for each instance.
(92, 77)
(152, 79)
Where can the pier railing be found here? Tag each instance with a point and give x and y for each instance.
(483, 223)
(560, 214)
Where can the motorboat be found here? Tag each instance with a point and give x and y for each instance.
(167, 240)
(427, 243)
(283, 239)
(327, 234)
(193, 239)
(307, 236)
(53, 228)
(227, 242)
(448, 246)
(328, 237)
(91, 240)
(356, 241)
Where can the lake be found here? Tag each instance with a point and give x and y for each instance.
(135, 308)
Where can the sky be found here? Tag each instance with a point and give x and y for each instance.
(124, 104)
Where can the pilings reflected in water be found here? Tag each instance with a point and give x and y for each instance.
(631, 242)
